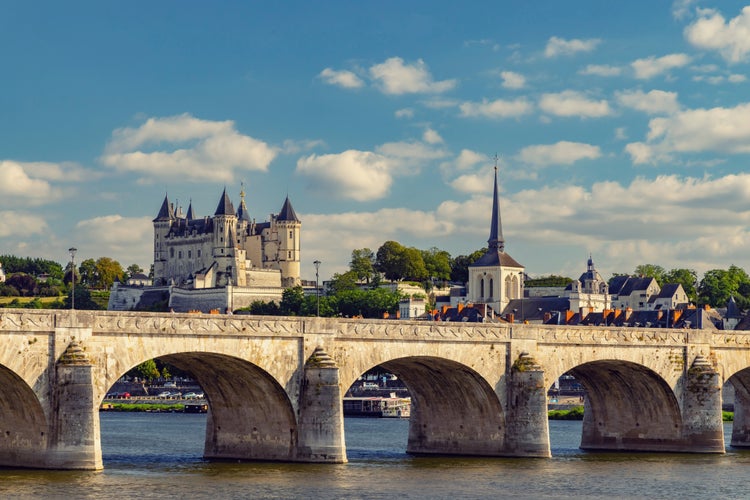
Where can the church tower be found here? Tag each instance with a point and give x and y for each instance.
(162, 225)
(496, 277)
(288, 226)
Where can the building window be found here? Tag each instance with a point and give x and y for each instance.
(179, 254)
(199, 253)
(289, 255)
(190, 254)
(171, 253)
(291, 235)
(481, 288)
(492, 287)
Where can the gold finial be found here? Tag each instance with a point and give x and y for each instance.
(496, 158)
(242, 190)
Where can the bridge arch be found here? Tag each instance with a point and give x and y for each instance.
(250, 414)
(454, 410)
(627, 406)
(23, 423)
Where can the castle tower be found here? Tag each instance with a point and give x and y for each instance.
(224, 241)
(162, 225)
(288, 226)
(496, 277)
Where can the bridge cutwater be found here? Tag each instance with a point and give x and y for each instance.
(275, 384)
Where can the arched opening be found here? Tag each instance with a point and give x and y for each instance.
(452, 411)
(23, 425)
(248, 415)
(736, 398)
(626, 407)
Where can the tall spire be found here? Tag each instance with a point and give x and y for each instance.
(242, 213)
(225, 206)
(191, 212)
(496, 241)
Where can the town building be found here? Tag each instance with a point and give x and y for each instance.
(224, 261)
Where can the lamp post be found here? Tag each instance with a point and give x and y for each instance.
(317, 289)
(73, 251)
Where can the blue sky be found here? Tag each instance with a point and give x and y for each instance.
(623, 128)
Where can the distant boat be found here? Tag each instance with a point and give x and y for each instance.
(196, 408)
(390, 407)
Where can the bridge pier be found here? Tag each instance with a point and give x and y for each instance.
(320, 427)
(75, 441)
(527, 433)
(702, 426)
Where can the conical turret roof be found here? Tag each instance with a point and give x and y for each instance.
(225, 206)
(287, 212)
(165, 212)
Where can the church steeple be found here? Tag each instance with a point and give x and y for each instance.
(496, 241)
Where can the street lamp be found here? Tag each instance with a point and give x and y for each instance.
(317, 289)
(73, 251)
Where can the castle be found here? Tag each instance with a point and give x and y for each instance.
(227, 260)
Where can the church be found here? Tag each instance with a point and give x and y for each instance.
(223, 261)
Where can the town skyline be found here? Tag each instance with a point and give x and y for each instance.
(622, 132)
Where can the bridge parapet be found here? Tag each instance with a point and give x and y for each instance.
(599, 335)
(422, 330)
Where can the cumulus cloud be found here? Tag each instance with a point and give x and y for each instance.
(431, 137)
(559, 46)
(499, 108)
(126, 239)
(655, 102)
(21, 224)
(512, 80)
(404, 113)
(341, 78)
(731, 39)
(682, 8)
(720, 79)
(650, 67)
(192, 150)
(396, 77)
(367, 175)
(38, 183)
(572, 103)
(719, 130)
(560, 153)
(601, 70)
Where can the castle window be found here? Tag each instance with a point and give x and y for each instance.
(190, 254)
(492, 287)
(199, 253)
(221, 239)
(171, 253)
(179, 254)
(291, 235)
(289, 255)
(222, 250)
(481, 288)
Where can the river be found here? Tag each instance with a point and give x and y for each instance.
(150, 455)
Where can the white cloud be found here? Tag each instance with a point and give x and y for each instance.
(653, 103)
(431, 137)
(560, 153)
(559, 46)
(39, 183)
(719, 130)
(499, 108)
(682, 8)
(621, 133)
(512, 80)
(653, 66)
(735, 78)
(125, 239)
(366, 175)
(601, 70)
(572, 103)
(730, 39)
(342, 78)
(467, 159)
(404, 113)
(720, 79)
(193, 150)
(20, 224)
(395, 77)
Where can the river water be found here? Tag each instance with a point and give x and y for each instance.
(149, 455)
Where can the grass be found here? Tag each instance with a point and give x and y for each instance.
(26, 300)
(152, 407)
(575, 413)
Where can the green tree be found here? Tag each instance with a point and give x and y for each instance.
(550, 280)
(83, 299)
(688, 278)
(718, 285)
(413, 265)
(363, 264)
(437, 263)
(147, 370)
(26, 284)
(107, 272)
(291, 301)
(132, 270)
(87, 273)
(342, 282)
(460, 265)
(390, 260)
(651, 271)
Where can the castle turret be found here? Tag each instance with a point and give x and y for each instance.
(288, 226)
(224, 244)
(162, 225)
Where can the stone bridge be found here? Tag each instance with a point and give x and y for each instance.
(275, 384)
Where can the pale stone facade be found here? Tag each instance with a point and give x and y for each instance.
(590, 292)
(2, 273)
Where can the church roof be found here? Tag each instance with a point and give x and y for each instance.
(287, 212)
(496, 258)
(225, 206)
